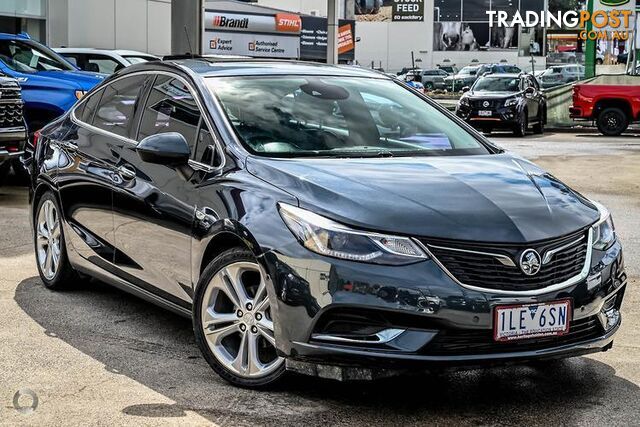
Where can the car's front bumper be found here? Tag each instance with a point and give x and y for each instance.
(12, 142)
(502, 117)
(426, 304)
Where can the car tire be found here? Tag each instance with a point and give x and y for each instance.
(521, 128)
(231, 309)
(538, 128)
(49, 242)
(428, 86)
(612, 121)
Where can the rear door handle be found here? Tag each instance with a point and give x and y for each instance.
(67, 145)
(127, 172)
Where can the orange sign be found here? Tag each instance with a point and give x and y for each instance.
(288, 23)
(345, 39)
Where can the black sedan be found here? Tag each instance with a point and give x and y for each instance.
(323, 220)
(504, 101)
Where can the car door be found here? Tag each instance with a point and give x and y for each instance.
(154, 208)
(530, 97)
(88, 171)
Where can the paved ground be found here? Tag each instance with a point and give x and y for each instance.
(98, 356)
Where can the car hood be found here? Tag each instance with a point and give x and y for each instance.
(80, 80)
(489, 198)
(490, 95)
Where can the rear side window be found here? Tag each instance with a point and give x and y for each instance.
(170, 107)
(86, 111)
(117, 106)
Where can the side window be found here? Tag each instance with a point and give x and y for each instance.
(101, 64)
(86, 111)
(170, 108)
(206, 152)
(71, 58)
(117, 106)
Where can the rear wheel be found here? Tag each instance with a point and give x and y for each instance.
(428, 86)
(538, 128)
(4, 171)
(51, 254)
(612, 121)
(232, 321)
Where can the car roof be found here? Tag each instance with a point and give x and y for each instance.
(220, 67)
(504, 75)
(121, 52)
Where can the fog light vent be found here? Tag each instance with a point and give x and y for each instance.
(609, 315)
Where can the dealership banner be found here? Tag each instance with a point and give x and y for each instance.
(236, 22)
(314, 37)
(246, 44)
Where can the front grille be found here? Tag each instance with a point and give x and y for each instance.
(11, 114)
(495, 103)
(476, 264)
(10, 94)
(472, 342)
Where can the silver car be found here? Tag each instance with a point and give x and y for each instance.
(561, 74)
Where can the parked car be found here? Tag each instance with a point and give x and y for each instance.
(13, 131)
(561, 74)
(449, 69)
(103, 60)
(465, 77)
(387, 237)
(511, 101)
(498, 69)
(611, 106)
(50, 84)
(430, 79)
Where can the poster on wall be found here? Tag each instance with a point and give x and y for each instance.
(313, 39)
(473, 36)
(407, 11)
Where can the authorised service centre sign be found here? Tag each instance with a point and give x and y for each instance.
(408, 10)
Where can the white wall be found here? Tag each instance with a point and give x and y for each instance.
(302, 6)
(143, 25)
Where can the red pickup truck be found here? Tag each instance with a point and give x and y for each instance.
(611, 106)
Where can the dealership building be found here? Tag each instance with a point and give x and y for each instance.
(387, 34)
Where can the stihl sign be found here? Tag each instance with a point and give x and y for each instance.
(288, 23)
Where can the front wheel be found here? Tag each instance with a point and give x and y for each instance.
(233, 323)
(521, 127)
(538, 128)
(612, 122)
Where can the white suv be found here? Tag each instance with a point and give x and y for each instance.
(103, 60)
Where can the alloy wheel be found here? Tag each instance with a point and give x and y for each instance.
(612, 121)
(48, 239)
(237, 323)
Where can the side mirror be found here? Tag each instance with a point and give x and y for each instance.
(169, 149)
(529, 91)
(466, 89)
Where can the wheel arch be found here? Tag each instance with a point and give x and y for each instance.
(620, 103)
(224, 235)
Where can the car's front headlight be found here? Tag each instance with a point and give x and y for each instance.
(604, 232)
(511, 102)
(326, 237)
(464, 101)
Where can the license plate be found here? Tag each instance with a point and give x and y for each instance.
(485, 113)
(516, 322)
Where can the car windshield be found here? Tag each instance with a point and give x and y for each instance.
(302, 116)
(28, 57)
(497, 84)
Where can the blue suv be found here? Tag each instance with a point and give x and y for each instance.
(50, 84)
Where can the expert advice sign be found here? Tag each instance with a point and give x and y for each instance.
(407, 10)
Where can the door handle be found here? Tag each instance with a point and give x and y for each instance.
(68, 145)
(127, 172)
